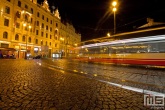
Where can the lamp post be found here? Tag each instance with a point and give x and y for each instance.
(62, 48)
(114, 3)
(29, 27)
(24, 25)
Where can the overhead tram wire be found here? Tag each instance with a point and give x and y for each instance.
(126, 33)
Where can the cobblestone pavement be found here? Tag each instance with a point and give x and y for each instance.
(30, 85)
(145, 78)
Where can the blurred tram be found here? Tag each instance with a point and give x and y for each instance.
(146, 49)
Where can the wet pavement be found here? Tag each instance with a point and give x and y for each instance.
(68, 85)
(140, 77)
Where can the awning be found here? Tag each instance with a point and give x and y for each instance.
(8, 49)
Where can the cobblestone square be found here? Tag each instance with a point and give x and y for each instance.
(26, 85)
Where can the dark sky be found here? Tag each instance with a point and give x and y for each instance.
(94, 18)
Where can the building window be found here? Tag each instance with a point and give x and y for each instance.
(23, 38)
(47, 20)
(38, 23)
(38, 14)
(31, 20)
(46, 27)
(36, 41)
(55, 38)
(43, 17)
(32, 10)
(46, 43)
(46, 35)
(16, 37)
(42, 25)
(56, 24)
(29, 40)
(51, 22)
(26, 18)
(50, 43)
(8, 0)
(19, 3)
(5, 35)
(42, 34)
(17, 15)
(17, 25)
(36, 32)
(41, 42)
(50, 29)
(55, 45)
(6, 22)
(55, 31)
(26, 6)
(50, 36)
(3, 45)
(7, 10)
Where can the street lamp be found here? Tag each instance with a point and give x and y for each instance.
(108, 34)
(114, 3)
(62, 46)
(24, 25)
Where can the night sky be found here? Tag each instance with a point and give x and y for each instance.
(94, 18)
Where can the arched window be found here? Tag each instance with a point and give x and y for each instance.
(16, 37)
(19, 3)
(29, 40)
(5, 35)
(23, 38)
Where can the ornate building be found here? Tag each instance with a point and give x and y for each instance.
(28, 28)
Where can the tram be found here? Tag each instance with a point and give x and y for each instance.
(145, 49)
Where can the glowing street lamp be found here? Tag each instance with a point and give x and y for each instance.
(114, 3)
(108, 34)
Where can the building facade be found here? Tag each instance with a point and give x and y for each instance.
(29, 29)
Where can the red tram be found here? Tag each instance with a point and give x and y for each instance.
(130, 49)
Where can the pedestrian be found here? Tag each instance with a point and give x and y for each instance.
(1, 56)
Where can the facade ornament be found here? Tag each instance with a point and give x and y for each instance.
(56, 13)
(45, 5)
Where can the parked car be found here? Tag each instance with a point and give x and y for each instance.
(37, 57)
